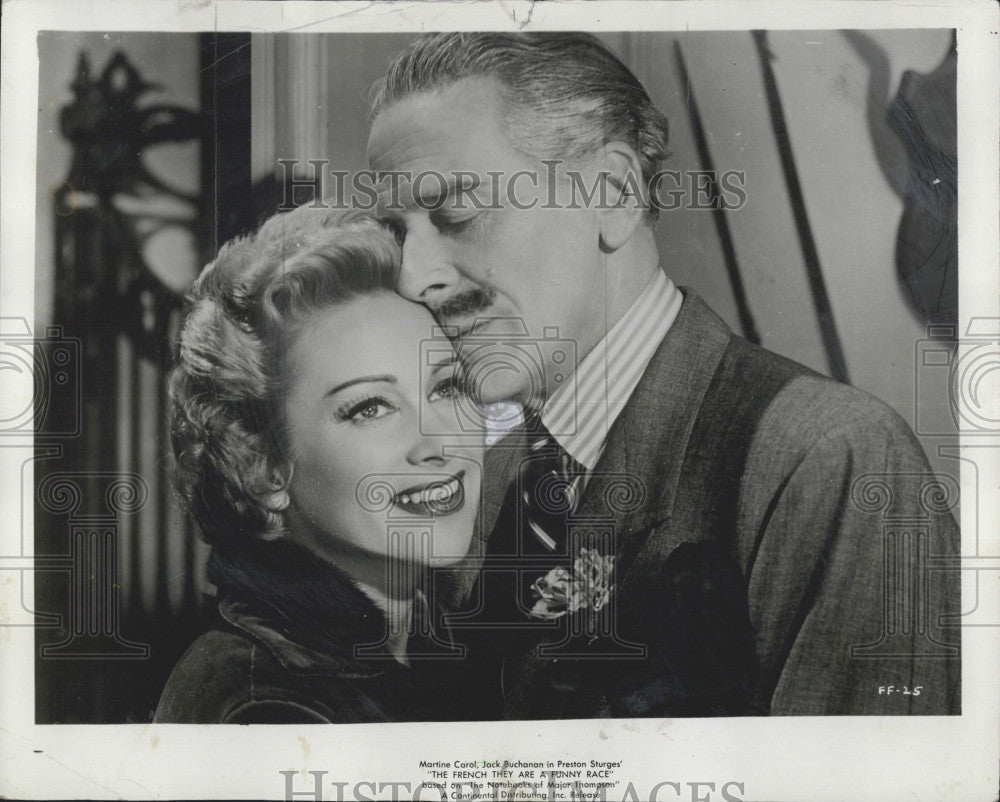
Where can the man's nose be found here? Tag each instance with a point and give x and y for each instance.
(425, 273)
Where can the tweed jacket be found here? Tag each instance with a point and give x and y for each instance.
(773, 556)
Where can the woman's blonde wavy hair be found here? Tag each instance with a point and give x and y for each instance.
(226, 388)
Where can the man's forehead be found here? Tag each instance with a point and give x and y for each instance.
(430, 146)
(429, 124)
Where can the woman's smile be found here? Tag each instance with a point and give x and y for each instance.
(436, 498)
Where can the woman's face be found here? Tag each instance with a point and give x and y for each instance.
(374, 435)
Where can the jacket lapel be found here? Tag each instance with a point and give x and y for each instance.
(500, 470)
(500, 463)
(647, 443)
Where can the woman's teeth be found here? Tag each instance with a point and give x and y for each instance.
(438, 493)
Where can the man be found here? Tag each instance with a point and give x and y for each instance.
(726, 500)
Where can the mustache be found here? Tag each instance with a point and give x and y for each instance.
(465, 303)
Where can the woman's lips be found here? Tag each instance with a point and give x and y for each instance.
(436, 498)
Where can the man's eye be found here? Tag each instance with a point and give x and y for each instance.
(451, 225)
(367, 410)
(447, 389)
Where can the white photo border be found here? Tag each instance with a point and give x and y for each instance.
(863, 758)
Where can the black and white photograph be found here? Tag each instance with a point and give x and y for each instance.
(557, 401)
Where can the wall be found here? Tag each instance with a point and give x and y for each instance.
(853, 211)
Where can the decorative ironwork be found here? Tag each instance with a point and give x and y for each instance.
(109, 131)
(110, 576)
(104, 279)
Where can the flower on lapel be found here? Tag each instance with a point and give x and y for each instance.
(587, 587)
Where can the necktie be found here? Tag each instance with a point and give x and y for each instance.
(550, 482)
(532, 525)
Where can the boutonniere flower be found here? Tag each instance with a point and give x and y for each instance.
(587, 586)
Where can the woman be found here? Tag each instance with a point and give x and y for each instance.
(309, 432)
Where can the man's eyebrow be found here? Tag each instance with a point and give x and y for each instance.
(361, 380)
(433, 194)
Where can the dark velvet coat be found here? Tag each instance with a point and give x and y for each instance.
(285, 651)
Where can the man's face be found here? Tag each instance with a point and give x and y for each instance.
(495, 273)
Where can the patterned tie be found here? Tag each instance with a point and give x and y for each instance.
(531, 526)
(550, 485)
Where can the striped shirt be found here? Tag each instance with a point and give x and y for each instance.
(580, 413)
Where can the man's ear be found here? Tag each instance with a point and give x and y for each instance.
(626, 195)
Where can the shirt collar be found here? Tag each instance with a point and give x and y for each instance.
(580, 413)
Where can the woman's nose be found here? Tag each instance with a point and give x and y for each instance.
(427, 450)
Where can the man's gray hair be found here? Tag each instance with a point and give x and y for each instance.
(565, 94)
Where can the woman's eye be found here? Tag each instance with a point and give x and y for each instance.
(365, 411)
(447, 389)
